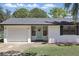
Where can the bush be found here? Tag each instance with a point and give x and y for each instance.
(68, 44)
(64, 44)
(59, 43)
(30, 54)
(1, 40)
(11, 53)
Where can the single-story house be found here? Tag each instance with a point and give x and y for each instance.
(49, 30)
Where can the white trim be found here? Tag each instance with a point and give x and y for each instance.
(5, 40)
(29, 34)
(5, 34)
(50, 40)
(29, 40)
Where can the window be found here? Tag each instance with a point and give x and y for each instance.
(45, 31)
(68, 30)
(33, 31)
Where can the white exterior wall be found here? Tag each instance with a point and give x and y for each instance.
(54, 36)
(17, 33)
(22, 33)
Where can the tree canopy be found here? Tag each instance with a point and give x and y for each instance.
(21, 13)
(3, 14)
(38, 13)
(58, 12)
(74, 9)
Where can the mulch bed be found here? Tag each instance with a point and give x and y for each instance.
(16, 53)
(11, 53)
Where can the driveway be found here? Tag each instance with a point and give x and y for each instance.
(17, 47)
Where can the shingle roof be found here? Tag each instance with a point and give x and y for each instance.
(34, 20)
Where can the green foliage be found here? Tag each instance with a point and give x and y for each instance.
(2, 15)
(21, 13)
(8, 15)
(29, 54)
(58, 13)
(1, 35)
(38, 13)
(74, 9)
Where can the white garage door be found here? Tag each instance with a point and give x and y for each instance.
(17, 35)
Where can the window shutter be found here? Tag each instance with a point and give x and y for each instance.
(77, 32)
(61, 30)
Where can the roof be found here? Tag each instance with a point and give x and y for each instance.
(25, 21)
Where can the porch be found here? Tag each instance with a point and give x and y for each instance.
(39, 33)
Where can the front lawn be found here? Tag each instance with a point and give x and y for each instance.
(53, 50)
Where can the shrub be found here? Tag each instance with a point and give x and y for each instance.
(68, 44)
(59, 43)
(1, 40)
(29, 54)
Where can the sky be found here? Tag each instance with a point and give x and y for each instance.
(44, 6)
(39, 1)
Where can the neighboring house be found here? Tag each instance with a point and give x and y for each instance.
(40, 30)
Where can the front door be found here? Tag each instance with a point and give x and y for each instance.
(39, 33)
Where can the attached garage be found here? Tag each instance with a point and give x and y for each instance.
(17, 33)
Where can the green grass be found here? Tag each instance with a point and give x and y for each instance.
(50, 50)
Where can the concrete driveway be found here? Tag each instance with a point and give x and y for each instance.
(17, 46)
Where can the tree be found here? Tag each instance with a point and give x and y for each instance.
(1, 15)
(8, 13)
(58, 12)
(73, 10)
(21, 13)
(38, 13)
